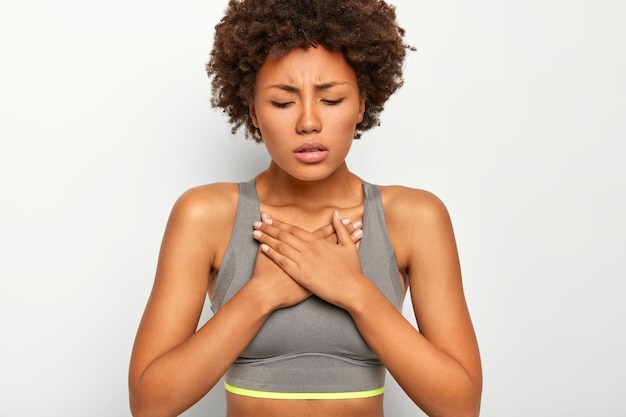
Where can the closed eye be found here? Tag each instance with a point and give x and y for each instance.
(281, 105)
(333, 102)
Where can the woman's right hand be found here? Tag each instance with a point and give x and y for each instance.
(355, 230)
(277, 285)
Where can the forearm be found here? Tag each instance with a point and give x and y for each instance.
(434, 380)
(179, 378)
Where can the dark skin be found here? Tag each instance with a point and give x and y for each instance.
(306, 249)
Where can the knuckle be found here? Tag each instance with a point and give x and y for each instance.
(282, 262)
(281, 234)
(280, 247)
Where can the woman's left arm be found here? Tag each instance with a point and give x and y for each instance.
(438, 366)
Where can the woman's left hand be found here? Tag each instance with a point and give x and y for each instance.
(329, 270)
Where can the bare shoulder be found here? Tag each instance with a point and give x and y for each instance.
(412, 207)
(203, 217)
(415, 219)
(204, 202)
(192, 244)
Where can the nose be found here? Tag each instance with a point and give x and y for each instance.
(309, 120)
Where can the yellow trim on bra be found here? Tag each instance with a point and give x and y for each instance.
(304, 395)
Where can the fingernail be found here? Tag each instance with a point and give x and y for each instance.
(264, 247)
(257, 234)
(336, 214)
(257, 225)
(345, 221)
(266, 218)
(357, 224)
(358, 234)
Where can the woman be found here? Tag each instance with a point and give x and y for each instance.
(306, 265)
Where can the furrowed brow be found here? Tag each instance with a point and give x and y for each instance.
(319, 87)
(326, 86)
(285, 87)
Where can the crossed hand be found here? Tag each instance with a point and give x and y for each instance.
(297, 263)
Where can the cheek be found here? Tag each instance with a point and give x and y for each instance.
(270, 122)
(345, 121)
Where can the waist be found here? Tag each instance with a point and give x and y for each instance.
(304, 376)
(271, 395)
(242, 406)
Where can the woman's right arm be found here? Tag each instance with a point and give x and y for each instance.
(173, 365)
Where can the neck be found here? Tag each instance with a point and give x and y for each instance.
(341, 189)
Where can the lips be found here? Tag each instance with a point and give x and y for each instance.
(311, 147)
(311, 152)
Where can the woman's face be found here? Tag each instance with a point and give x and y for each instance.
(307, 105)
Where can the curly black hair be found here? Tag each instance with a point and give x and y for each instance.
(365, 31)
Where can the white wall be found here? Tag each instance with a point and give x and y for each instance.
(512, 113)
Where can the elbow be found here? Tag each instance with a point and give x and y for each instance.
(469, 404)
(143, 409)
(466, 404)
(473, 412)
(147, 401)
(137, 402)
(141, 398)
(136, 410)
(469, 410)
(141, 405)
(470, 407)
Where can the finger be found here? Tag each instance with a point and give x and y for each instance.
(284, 231)
(279, 243)
(328, 231)
(343, 235)
(279, 259)
(356, 233)
(355, 236)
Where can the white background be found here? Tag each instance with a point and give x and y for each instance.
(512, 112)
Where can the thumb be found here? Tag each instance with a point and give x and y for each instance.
(343, 237)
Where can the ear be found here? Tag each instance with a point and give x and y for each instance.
(361, 110)
(252, 113)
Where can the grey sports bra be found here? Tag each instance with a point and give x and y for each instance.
(312, 349)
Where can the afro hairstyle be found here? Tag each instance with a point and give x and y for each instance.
(365, 31)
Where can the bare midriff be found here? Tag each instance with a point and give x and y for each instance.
(242, 406)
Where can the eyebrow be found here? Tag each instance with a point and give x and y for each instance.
(319, 87)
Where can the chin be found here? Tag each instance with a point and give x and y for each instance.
(314, 176)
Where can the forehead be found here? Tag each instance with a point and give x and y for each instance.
(314, 64)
